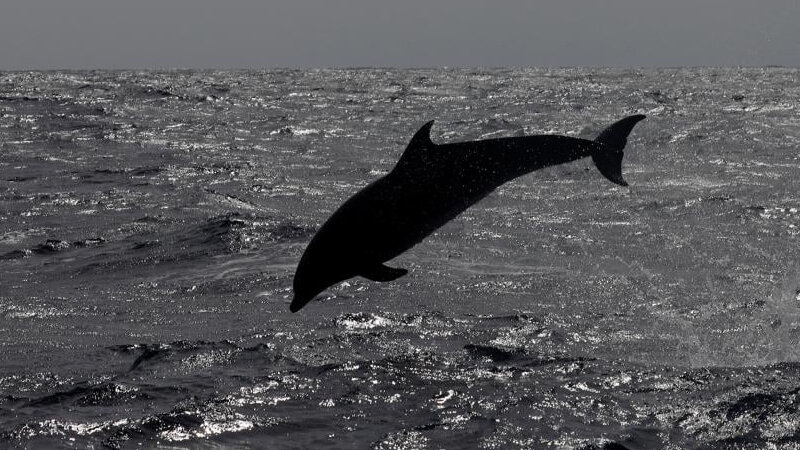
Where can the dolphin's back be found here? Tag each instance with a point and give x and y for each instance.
(497, 161)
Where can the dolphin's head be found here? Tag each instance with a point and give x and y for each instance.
(307, 284)
(300, 300)
(313, 276)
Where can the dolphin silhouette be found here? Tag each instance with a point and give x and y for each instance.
(430, 185)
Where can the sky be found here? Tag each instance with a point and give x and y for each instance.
(116, 34)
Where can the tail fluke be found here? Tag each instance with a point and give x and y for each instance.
(614, 138)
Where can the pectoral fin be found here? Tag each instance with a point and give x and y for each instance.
(381, 272)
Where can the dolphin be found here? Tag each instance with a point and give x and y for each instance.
(430, 185)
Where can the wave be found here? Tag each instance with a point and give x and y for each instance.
(52, 246)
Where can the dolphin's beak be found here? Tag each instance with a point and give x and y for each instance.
(298, 303)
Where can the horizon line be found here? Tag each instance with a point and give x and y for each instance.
(379, 67)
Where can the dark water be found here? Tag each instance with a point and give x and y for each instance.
(150, 223)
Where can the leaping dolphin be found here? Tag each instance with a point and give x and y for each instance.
(430, 185)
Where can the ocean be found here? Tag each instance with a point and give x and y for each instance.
(151, 223)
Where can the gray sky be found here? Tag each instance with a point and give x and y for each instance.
(53, 34)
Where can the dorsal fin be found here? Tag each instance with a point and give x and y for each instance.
(422, 138)
(417, 147)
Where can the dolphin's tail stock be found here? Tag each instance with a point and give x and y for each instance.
(609, 159)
